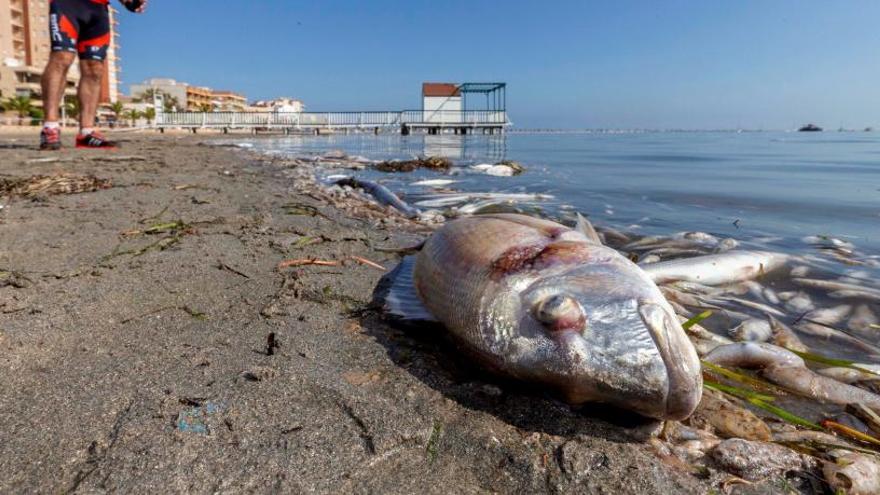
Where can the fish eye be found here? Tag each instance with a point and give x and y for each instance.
(560, 312)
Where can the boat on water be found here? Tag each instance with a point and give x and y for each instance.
(810, 128)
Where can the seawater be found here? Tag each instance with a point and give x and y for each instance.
(765, 189)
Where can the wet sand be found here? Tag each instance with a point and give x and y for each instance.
(150, 343)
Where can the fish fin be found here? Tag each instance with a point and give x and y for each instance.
(402, 300)
(585, 227)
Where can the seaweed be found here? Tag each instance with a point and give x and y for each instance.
(696, 319)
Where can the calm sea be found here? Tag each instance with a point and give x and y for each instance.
(771, 189)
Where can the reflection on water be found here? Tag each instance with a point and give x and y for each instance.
(383, 147)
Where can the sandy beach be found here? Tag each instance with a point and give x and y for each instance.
(149, 342)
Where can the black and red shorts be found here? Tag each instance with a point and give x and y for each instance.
(80, 26)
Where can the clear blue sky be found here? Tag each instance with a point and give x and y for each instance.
(568, 63)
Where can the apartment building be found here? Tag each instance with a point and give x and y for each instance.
(191, 98)
(199, 98)
(25, 49)
(228, 101)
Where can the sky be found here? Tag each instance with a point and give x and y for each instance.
(701, 64)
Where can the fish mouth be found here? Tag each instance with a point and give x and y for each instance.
(684, 375)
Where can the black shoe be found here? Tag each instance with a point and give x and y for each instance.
(94, 140)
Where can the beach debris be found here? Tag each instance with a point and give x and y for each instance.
(48, 159)
(51, 185)
(318, 262)
(17, 280)
(272, 344)
(788, 370)
(717, 269)
(118, 158)
(852, 473)
(160, 228)
(431, 163)
(864, 413)
(307, 261)
(847, 431)
(754, 460)
(367, 262)
(586, 321)
(382, 194)
(196, 418)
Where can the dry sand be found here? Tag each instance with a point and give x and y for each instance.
(136, 361)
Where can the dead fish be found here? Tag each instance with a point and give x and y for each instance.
(615, 236)
(800, 271)
(862, 320)
(783, 336)
(382, 194)
(852, 473)
(768, 310)
(829, 316)
(751, 330)
(827, 332)
(799, 304)
(855, 294)
(833, 286)
(674, 252)
(434, 182)
(537, 301)
(787, 369)
(729, 420)
(717, 269)
(647, 260)
(726, 245)
(847, 375)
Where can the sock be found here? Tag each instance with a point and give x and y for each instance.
(85, 131)
(51, 125)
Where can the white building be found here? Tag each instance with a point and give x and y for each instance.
(168, 86)
(279, 105)
(441, 103)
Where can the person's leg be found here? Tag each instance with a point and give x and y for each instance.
(63, 33)
(54, 81)
(95, 34)
(91, 75)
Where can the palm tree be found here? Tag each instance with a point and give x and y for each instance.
(117, 108)
(22, 105)
(170, 103)
(206, 107)
(132, 115)
(150, 114)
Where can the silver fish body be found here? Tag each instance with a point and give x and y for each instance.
(540, 302)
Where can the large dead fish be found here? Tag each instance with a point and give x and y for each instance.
(537, 301)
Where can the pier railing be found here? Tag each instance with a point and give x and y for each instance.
(330, 120)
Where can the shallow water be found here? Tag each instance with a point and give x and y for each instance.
(772, 188)
(796, 193)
